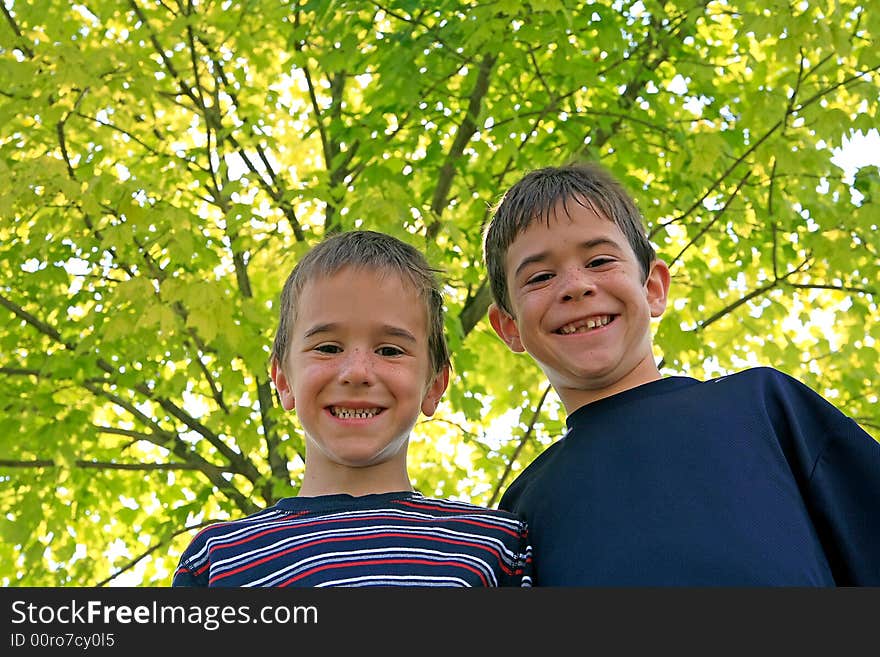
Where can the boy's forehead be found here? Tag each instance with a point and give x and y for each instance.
(565, 214)
(355, 283)
(572, 209)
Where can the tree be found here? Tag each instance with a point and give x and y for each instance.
(166, 162)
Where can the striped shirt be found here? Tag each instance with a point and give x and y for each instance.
(388, 539)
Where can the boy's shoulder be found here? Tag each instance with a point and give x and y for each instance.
(457, 506)
(736, 392)
(233, 525)
(754, 374)
(450, 507)
(778, 393)
(764, 380)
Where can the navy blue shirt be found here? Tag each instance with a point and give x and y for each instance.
(751, 479)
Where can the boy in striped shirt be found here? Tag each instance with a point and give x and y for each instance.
(358, 354)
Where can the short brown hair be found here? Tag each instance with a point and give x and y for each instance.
(535, 196)
(366, 249)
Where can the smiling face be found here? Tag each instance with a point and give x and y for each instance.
(358, 373)
(582, 307)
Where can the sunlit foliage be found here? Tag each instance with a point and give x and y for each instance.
(165, 163)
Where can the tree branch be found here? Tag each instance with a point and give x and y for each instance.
(715, 218)
(239, 462)
(462, 136)
(101, 465)
(496, 492)
(764, 289)
(9, 19)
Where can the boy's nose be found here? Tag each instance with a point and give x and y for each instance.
(357, 368)
(576, 283)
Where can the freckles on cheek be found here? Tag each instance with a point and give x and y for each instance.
(527, 304)
(308, 372)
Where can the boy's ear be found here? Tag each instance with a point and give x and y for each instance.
(657, 287)
(435, 391)
(282, 385)
(506, 328)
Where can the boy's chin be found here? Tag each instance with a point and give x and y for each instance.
(369, 455)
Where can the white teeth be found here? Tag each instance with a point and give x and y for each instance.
(585, 325)
(351, 413)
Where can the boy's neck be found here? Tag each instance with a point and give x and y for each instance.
(354, 481)
(575, 398)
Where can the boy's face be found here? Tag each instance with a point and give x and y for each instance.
(581, 308)
(358, 370)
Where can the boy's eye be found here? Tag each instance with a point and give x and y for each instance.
(328, 348)
(598, 262)
(539, 278)
(389, 351)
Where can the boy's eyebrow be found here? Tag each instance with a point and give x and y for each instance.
(387, 329)
(399, 332)
(538, 257)
(319, 328)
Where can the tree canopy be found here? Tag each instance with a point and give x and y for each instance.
(166, 162)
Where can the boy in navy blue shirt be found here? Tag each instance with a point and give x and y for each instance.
(751, 479)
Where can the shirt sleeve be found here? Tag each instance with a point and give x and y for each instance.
(184, 578)
(842, 484)
(186, 574)
(523, 569)
(845, 489)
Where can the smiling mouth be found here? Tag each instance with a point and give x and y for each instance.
(345, 413)
(585, 325)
